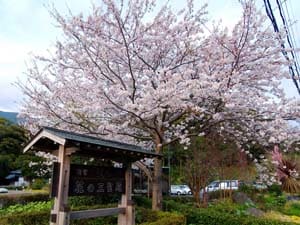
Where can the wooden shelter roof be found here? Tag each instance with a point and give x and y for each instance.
(48, 139)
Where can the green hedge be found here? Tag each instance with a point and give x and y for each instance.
(167, 218)
(7, 200)
(76, 201)
(108, 220)
(37, 218)
(144, 202)
(148, 217)
(32, 207)
(42, 218)
(211, 217)
(178, 214)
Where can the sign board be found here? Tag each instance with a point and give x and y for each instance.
(94, 180)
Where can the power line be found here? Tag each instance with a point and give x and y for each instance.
(292, 33)
(293, 68)
(289, 38)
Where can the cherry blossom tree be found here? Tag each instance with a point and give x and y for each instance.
(150, 75)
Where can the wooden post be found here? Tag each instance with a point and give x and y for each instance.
(60, 211)
(128, 218)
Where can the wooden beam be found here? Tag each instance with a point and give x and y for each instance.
(142, 166)
(61, 201)
(128, 182)
(85, 214)
(128, 218)
(71, 150)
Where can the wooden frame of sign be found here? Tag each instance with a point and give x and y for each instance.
(64, 144)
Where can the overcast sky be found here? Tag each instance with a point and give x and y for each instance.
(26, 27)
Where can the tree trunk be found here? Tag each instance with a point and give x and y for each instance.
(157, 185)
(196, 195)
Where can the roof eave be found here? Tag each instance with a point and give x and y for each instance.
(44, 134)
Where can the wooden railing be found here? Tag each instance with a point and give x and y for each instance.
(85, 214)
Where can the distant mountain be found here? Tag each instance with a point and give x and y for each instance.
(11, 116)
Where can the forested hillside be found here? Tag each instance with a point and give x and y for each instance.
(11, 116)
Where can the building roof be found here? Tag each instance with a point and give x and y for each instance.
(48, 139)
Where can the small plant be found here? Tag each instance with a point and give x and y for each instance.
(273, 202)
(286, 172)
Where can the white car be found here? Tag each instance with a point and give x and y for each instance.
(259, 185)
(222, 185)
(3, 190)
(181, 189)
